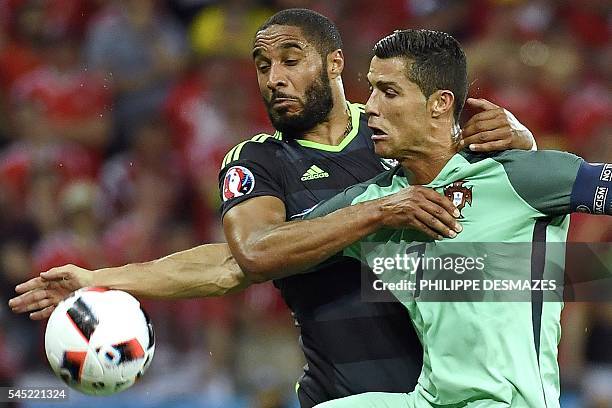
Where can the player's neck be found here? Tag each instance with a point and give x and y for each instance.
(336, 127)
(423, 163)
(420, 172)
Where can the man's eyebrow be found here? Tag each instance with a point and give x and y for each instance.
(383, 84)
(292, 44)
(285, 46)
(256, 52)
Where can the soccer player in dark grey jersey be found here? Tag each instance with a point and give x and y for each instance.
(322, 146)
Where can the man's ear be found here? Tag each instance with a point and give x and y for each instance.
(441, 103)
(335, 64)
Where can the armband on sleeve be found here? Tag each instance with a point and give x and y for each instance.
(592, 189)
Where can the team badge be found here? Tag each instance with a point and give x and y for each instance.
(238, 181)
(459, 194)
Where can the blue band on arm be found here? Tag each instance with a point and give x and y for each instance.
(592, 191)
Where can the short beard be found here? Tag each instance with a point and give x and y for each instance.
(315, 109)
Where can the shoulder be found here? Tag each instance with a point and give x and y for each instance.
(257, 148)
(522, 157)
(542, 179)
(532, 168)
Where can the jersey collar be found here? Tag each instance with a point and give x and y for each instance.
(355, 116)
(452, 166)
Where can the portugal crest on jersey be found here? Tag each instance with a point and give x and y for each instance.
(459, 194)
(238, 181)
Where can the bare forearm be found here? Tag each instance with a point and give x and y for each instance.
(293, 247)
(204, 271)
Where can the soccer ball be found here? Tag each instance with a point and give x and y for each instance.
(99, 341)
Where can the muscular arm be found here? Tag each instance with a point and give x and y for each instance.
(203, 271)
(263, 242)
(267, 247)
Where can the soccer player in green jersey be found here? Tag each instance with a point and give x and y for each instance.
(476, 353)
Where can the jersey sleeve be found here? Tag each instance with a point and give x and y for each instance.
(249, 170)
(558, 183)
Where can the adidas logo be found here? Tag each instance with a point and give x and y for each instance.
(313, 173)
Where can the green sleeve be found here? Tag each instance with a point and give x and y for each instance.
(350, 196)
(543, 179)
(340, 200)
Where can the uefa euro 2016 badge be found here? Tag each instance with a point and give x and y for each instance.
(459, 194)
(238, 181)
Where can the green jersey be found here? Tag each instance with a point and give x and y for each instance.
(480, 353)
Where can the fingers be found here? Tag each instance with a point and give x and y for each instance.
(440, 221)
(42, 314)
(481, 103)
(484, 115)
(479, 126)
(423, 209)
(438, 214)
(425, 229)
(494, 146)
(39, 305)
(34, 283)
(56, 273)
(442, 201)
(433, 224)
(473, 142)
(20, 303)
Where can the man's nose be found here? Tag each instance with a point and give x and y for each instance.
(277, 78)
(371, 107)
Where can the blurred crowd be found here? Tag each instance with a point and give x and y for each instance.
(115, 116)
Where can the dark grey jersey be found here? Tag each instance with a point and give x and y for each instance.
(350, 346)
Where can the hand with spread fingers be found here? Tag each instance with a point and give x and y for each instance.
(494, 129)
(40, 295)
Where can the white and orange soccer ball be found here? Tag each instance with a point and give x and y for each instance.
(99, 341)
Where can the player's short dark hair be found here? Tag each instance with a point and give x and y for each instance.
(435, 60)
(318, 29)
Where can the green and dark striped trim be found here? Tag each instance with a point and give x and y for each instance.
(234, 153)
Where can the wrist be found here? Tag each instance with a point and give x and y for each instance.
(524, 140)
(96, 278)
(373, 213)
(106, 277)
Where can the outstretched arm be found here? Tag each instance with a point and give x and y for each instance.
(262, 243)
(203, 271)
(267, 247)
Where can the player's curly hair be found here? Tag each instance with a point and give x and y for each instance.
(435, 60)
(318, 29)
